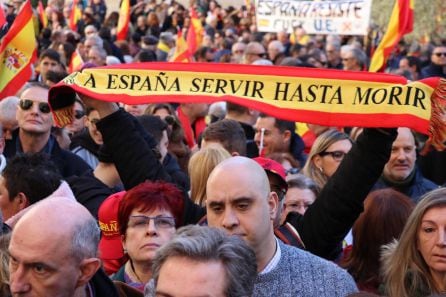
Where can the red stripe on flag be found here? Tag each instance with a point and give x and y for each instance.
(24, 17)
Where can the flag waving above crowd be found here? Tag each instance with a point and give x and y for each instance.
(18, 51)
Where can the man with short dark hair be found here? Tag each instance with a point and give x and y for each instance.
(203, 261)
(49, 60)
(247, 118)
(27, 178)
(226, 133)
(276, 136)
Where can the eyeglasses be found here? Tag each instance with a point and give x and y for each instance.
(292, 171)
(440, 54)
(336, 155)
(140, 222)
(79, 114)
(26, 104)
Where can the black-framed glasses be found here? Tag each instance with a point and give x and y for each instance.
(26, 104)
(79, 114)
(161, 222)
(336, 155)
(440, 54)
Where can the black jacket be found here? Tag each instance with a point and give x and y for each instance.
(68, 163)
(134, 159)
(328, 220)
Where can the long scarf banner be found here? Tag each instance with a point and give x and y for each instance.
(318, 96)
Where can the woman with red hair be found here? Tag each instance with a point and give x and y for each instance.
(147, 218)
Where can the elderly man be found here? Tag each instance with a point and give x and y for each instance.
(62, 261)
(239, 201)
(34, 133)
(400, 172)
(254, 51)
(354, 59)
(8, 107)
(203, 261)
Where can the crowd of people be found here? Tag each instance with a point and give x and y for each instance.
(197, 199)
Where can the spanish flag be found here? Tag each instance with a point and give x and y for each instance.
(182, 53)
(195, 32)
(124, 19)
(2, 15)
(18, 50)
(75, 15)
(400, 23)
(75, 62)
(42, 15)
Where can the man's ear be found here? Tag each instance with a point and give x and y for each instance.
(21, 200)
(273, 203)
(286, 135)
(235, 154)
(88, 268)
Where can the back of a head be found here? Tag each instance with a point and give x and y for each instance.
(236, 108)
(200, 166)
(229, 134)
(8, 107)
(385, 215)
(205, 244)
(145, 56)
(34, 175)
(154, 125)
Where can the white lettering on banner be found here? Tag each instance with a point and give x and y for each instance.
(347, 17)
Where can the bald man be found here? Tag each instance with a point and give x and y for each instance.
(54, 253)
(240, 202)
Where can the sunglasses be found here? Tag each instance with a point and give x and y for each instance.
(79, 114)
(26, 104)
(336, 155)
(440, 54)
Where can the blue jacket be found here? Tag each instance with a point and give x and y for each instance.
(415, 187)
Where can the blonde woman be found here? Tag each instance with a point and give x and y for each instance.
(200, 166)
(325, 156)
(416, 264)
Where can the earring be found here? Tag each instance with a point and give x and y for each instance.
(321, 170)
(125, 250)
